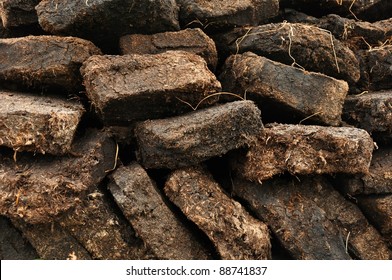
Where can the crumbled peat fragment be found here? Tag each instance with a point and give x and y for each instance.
(297, 44)
(44, 61)
(139, 87)
(97, 228)
(37, 123)
(370, 111)
(376, 68)
(191, 40)
(310, 95)
(378, 209)
(301, 149)
(197, 136)
(215, 14)
(38, 188)
(52, 242)
(360, 9)
(103, 21)
(235, 234)
(16, 13)
(143, 206)
(377, 181)
(13, 245)
(302, 227)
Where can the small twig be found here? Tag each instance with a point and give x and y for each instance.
(115, 160)
(15, 153)
(207, 97)
(308, 117)
(362, 93)
(348, 236)
(352, 4)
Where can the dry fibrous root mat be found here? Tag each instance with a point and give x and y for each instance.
(193, 129)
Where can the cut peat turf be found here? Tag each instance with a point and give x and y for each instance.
(37, 123)
(190, 40)
(43, 62)
(300, 149)
(235, 234)
(39, 188)
(139, 87)
(262, 80)
(142, 204)
(197, 136)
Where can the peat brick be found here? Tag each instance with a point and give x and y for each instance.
(15, 13)
(143, 206)
(301, 149)
(307, 46)
(308, 214)
(377, 181)
(37, 123)
(372, 112)
(217, 14)
(235, 234)
(44, 61)
(51, 241)
(378, 209)
(376, 68)
(362, 9)
(299, 224)
(139, 87)
(264, 80)
(38, 188)
(103, 21)
(363, 240)
(192, 138)
(14, 246)
(191, 40)
(94, 224)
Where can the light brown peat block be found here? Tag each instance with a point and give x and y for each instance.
(44, 61)
(37, 123)
(139, 87)
(190, 40)
(300, 149)
(234, 232)
(293, 89)
(158, 227)
(39, 188)
(197, 136)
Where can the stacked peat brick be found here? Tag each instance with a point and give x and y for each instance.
(191, 129)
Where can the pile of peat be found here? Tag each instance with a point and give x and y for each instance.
(195, 129)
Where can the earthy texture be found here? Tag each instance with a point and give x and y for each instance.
(299, 224)
(362, 240)
(37, 189)
(376, 68)
(308, 47)
(215, 14)
(52, 242)
(103, 21)
(370, 10)
(139, 87)
(44, 61)
(13, 246)
(377, 181)
(190, 40)
(16, 13)
(370, 111)
(235, 234)
(142, 204)
(378, 209)
(192, 138)
(300, 149)
(37, 123)
(94, 224)
(292, 89)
